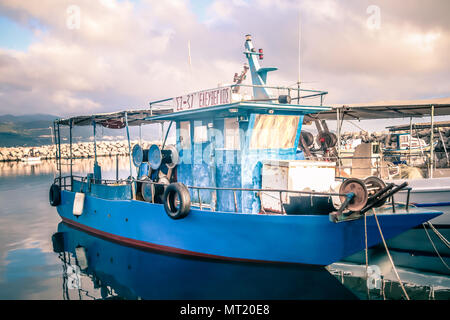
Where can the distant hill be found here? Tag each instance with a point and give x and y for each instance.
(27, 130)
(34, 130)
(27, 118)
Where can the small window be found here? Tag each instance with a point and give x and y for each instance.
(231, 133)
(376, 149)
(200, 134)
(404, 138)
(185, 135)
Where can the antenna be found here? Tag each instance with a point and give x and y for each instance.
(299, 46)
(190, 63)
(299, 54)
(189, 56)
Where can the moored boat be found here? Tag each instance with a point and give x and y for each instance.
(234, 186)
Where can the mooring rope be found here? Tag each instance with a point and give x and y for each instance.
(390, 258)
(366, 253)
(445, 241)
(435, 249)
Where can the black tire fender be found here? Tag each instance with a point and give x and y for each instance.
(171, 193)
(55, 195)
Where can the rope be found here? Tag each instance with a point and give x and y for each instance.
(389, 255)
(445, 241)
(435, 249)
(366, 252)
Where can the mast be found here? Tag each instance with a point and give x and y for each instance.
(299, 55)
(259, 75)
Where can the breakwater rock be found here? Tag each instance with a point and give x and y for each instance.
(80, 150)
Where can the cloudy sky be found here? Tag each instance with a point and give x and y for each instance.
(124, 53)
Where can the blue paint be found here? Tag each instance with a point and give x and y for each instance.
(208, 164)
(143, 170)
(97, 172)
(432, 204)
(154, 157)
(252, 162)
(276, 238)
(120, 192)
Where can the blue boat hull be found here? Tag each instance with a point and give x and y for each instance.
(303, 239)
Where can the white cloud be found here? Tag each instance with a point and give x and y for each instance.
(127, 53)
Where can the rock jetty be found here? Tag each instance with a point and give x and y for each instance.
(80, 150)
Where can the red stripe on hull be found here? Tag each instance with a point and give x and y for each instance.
(156, 247)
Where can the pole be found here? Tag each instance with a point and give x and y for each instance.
(299, 54)
(70, 140)
(338, 131)
(59, 156)
(117, 167)
(133, 195)
(95, 142)
(445, 148)
(432, 142)
(410, 138)
(167, 133)
(129, 143)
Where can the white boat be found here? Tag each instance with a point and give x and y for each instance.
(31, 159)
(430, 191)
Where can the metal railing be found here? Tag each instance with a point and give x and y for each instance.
(245, 91)
(62, 181)
(64, 185)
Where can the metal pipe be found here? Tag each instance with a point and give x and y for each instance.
(410, 138)
(384, 197)
(338, 132)
(95, 142)
(445, 148)
(255, 190)
(380, 192)
(117, 167)
(281, 202)
(129, 154)
(167, 134)
(59, 155)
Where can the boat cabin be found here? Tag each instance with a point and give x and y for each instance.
(224, 137)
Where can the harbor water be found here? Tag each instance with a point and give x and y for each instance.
(42, 258)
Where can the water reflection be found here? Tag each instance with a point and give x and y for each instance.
(79, 167)
(29, 268)
(380, 282)
(99, 269)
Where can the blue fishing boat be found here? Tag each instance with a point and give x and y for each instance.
(235, 186)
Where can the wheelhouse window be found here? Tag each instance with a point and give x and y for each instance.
(231, 133)
(200, 134)
(185, 135)
(274, 132)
